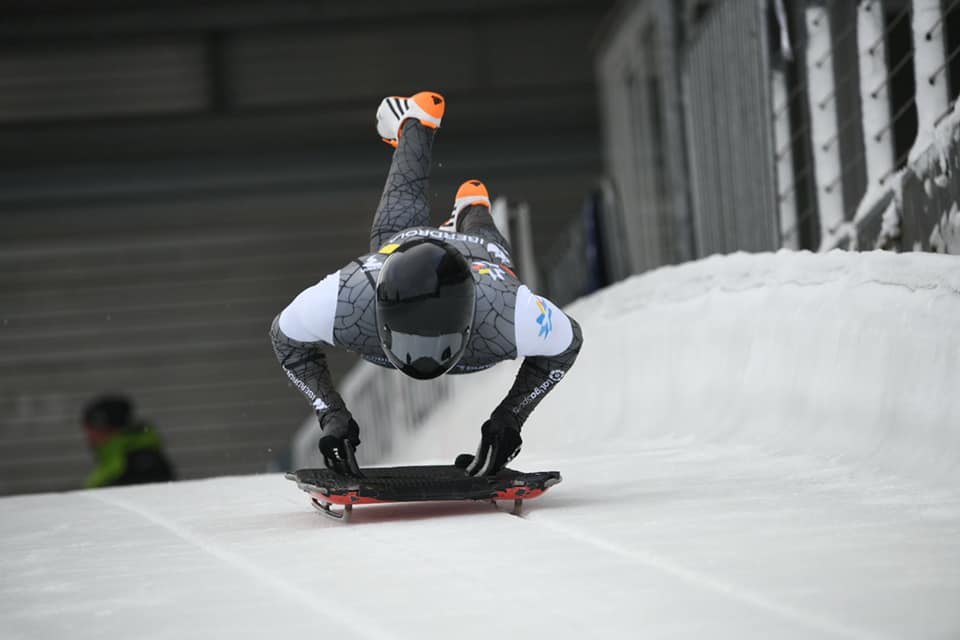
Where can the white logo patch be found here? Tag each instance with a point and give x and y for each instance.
(372, 263)
(497, 252)
(553, 378)
(436, 234)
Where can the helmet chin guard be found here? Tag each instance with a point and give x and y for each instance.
(426, 298)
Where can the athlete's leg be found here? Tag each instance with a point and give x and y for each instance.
(471, 214)
(476, 220)
(408, 125)
(404, 200)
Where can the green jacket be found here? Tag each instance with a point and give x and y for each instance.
(132, 456)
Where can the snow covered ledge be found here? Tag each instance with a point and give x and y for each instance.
(850, 356)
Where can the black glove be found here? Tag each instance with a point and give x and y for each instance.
(338, 441)
(500, 443)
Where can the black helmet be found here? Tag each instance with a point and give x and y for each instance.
(425, 302)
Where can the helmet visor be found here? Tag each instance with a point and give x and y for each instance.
(424, 357)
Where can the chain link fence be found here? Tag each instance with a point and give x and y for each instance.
(802, 125)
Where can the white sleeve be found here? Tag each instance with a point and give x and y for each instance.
(542, 329)
(309, 318)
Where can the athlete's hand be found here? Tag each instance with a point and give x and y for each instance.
(338, 442)
(500, 443)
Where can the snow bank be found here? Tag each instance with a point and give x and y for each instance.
(851, 356)
(717, 439)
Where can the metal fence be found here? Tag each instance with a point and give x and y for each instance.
(801, 125)
(648, 223)
(875, 78)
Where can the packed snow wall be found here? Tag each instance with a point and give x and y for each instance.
(852, 356)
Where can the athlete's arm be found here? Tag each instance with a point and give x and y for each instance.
(300, 336)
(549, 340)
(305, 363)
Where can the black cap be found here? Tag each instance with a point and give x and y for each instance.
(425, 303)
(108, 412)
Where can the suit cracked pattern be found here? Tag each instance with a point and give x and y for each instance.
(403, 203)
(355, 324)
(305, 363)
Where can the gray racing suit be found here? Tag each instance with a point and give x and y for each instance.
(510, 321)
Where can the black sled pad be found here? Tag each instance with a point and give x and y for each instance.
(415, 484)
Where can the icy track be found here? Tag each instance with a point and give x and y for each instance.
(757, 446)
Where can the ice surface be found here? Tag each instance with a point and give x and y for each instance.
(752, 446)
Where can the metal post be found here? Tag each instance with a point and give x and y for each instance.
(874, 96)
(526, 261)
(929, 67)
(823, 122)
(789, 235)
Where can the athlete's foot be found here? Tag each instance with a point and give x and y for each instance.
(471, 192)
(426, 106)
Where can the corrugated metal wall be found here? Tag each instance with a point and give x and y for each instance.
(638, 68)
(172, 177)
(686, 100)
(100, 79)
(726, 79)
(169, 304)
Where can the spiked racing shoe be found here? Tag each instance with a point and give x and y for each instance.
(470, 193)
(426, 106)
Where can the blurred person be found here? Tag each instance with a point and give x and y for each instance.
(426, 301)
(127, 450)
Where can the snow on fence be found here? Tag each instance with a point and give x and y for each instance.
(879, 122)
(919, 210)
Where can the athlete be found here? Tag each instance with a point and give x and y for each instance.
(426, 301)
